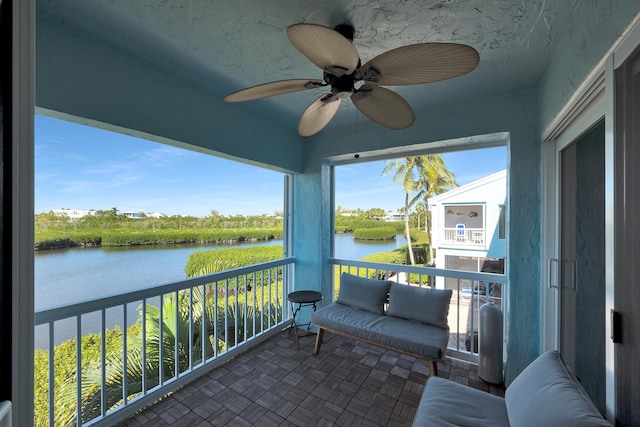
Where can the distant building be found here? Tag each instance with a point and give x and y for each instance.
(74, 213)
(132, 214)
(467, 226)
(156, 215)
(394, 216)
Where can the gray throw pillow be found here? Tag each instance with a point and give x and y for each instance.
(430, 306)
(365, 294)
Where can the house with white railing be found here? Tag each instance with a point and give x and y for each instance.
(468, 234)
(556, 83)
(468, 225)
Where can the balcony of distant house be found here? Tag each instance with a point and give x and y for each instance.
(464, 225)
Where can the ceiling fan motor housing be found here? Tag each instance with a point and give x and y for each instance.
(342, 87)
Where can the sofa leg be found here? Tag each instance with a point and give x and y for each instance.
(318, 340)
(433, 368)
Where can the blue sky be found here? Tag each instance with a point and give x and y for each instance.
(362, 185)
(80, 167)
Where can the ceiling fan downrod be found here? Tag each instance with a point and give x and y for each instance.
(346, 30)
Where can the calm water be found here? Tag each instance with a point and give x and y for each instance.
(68, 276)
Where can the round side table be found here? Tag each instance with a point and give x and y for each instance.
(301, 299)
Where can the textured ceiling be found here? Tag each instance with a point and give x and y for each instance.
(225, 45)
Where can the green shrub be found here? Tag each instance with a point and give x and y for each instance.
(347, 224)
(65, 367)
(53, 232)
(56, 239)
(54, 243)
(377, 233)
(247, 314)
(419, 235)
(207, 262)
(396, 256)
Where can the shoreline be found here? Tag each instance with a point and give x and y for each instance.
(67, 243)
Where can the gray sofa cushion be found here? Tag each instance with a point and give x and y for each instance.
(414, 337)
(363, 293)
(445, 403)
(547, 394)
(430, 306)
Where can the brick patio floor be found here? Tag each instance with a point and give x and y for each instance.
(348, 383)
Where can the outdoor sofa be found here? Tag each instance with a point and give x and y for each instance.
(545, 394)
(414, 322)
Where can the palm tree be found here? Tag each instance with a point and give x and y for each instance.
(175, 323)
(244, 321)
(433, 178)
(405, 172)
(421, 212)
(427, 175)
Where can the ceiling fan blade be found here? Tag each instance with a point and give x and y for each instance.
(318, 115)
(420, 63)
(325, 47)
(273, 88)
(384, 107)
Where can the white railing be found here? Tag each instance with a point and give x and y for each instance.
(182, 330)
(470, 291)
(463, 236)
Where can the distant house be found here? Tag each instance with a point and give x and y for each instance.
(468, 230)
(156, 215)
(74, 213)
(132, 214)
(394, 216)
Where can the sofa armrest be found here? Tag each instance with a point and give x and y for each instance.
(547, 394)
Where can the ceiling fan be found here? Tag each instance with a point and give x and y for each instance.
(332, 50)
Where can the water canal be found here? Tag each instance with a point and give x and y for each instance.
(73, 275)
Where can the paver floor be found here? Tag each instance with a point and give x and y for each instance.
(348, 383)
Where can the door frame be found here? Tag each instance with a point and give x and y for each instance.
(588, 112)
(22, 178)
(630, 41)
(594, 99)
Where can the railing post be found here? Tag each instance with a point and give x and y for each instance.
(214, 320)
(103, 359)
(125, 377)
(144, 346)
(79, 370)
(51, 374)
(191, 328)
(176, 353)
(160, 340)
